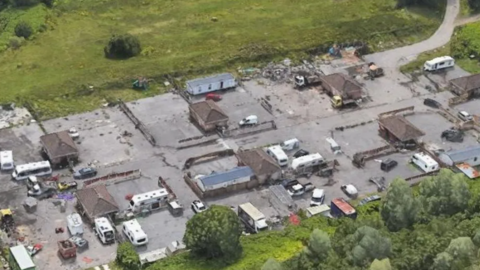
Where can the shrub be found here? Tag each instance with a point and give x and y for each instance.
(23, 29)
(123, 46)
(127, 257)
(16, 42)
(24, 3)
(48, 3)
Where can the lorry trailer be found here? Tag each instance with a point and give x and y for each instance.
(252, 218)
(341, 208)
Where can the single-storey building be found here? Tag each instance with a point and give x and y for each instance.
(469, 155)
(397, 128)
(210, 84)
(339, 83)
(469, 85)
(96, 202)
(59, 148)
(218, 180)
(208, 115)
(263, 165)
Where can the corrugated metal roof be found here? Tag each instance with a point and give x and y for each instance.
(224, 177)
(211, 79)
(344, 206)
(22, 257)
(468, 170)
(464, 154)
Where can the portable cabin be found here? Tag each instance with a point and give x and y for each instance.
(211, 84)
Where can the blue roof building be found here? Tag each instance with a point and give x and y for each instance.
(218, 180)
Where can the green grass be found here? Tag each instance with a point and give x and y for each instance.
(180, 38)
(418, 63)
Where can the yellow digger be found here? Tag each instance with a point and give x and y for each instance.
(6, 223)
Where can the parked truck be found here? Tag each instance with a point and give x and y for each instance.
(306, 81)
(252, 218)
(341, 208)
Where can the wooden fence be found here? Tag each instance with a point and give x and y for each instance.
(116, 177)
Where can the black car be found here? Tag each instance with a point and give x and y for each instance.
(85, 173)
(453, 135)
(388, 165)
(301, 153)
(432, 103)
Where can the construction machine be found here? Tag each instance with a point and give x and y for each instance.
(7, 222)
(374, 71)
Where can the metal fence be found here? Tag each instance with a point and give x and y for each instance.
(138, 124)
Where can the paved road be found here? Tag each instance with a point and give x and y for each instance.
(391, 60)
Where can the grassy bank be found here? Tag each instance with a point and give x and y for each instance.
(183, 37)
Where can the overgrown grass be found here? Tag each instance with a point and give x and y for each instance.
(180, 37)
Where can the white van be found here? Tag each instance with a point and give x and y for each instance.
(307, 161)
(6, 160)
(290, 145)
(134, 232)
(336, 149)
(276, 152)
(41, 168)
(425, 162)
(248, 121)
(439, 63)
(75, 224)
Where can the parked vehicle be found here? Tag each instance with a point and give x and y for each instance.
(350, 190)
(33, 184)
(73, 132)
(104, 230)
(252, 218)
(277, 153)
(306, 81)
(322, 209)
(23, 171)
(439, 63)
(152, 200)
(453, 135)
(374, 71)
(214, 97)
(388, 164)
(301, 153)
(318, 197)
(465, 116)
(134, 232)
(425, 162)
(379, 182)
(6, 161)
(290, 145)
(307, 161)
(75, 224)
(336, 149)
(369, 199)
(250, 120)
(62, 186)
(432, 103)
(175, 207)
(85, 173)
(42, 193)
(341, 208)
(296, 190)
(198, 206)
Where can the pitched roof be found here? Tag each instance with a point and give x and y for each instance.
(59, 144)
(259, 161)
(467, 83)
(225, 177)
(464, 154)
(211, 79)
(401, 127)
(344, 84)
(208, 111)
(97, 201)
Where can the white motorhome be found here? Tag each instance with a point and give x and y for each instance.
(75, 224)
(6, 160)
(307, 161)
(290, 145)
(41, 168)
(134, 232)
(104, 230)
(277, 153)
(152, 200)
(439, 63)
(253, 219)
(425, 162)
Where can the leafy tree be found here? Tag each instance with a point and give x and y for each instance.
(122, 47)
(381, 265)
(367, 244)
(443, 261)
(24, 3)
(48, 3)
(319, 246)
(127, 256)
(399, 208)
(23, 29)
(215, 233)
(447, 193)
(272, 264)
(476, 238)
(474, 4)
(462, 251)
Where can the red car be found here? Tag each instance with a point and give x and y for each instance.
(214, 97)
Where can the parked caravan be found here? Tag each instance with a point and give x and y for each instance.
(152, 200)
(307, 161)
(6, 160)
(439, 63)
(104, 230)
(252, 218)
(134, 232)
(75, 224)
(290, 145)
(277, 153)
(210, 84)
(41, 168)
(322, 209)
(425, 162)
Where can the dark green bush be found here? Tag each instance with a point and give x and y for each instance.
(127, 257)
(23, 29)
(24, 3)
(122, 47)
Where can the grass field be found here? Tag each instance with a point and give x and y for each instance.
(54, 69)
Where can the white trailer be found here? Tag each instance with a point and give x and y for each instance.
(253, 219)
(211, 84)
(75, 224)
(6, 160)
(439, 63)
(307, 161)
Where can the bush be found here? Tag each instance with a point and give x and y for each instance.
(23, 29)
(16, 42)
(127, 257)
(48, 3)
(123, 46)
(24, 3)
